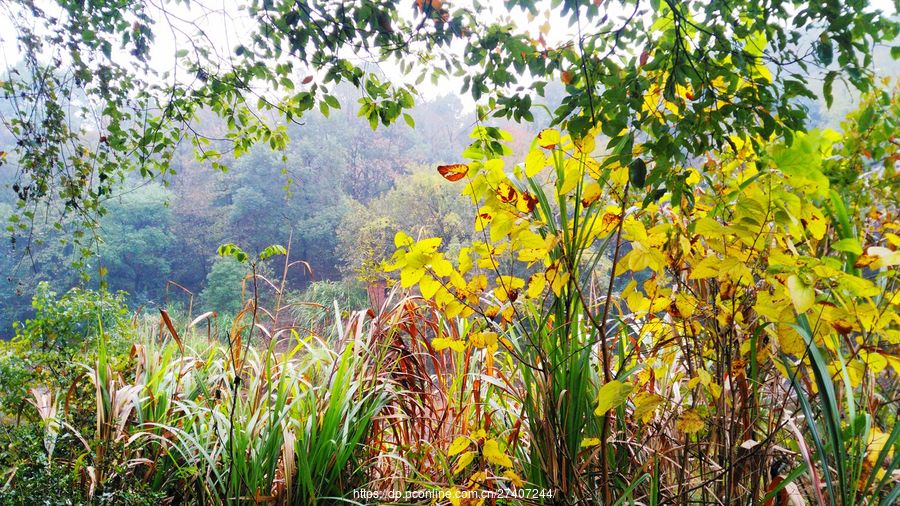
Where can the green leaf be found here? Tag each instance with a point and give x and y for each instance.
(827, 86)
(232, 251)
(849, 245)
(409, 120)
(270, 251)
(637, 173)
(824, 52)
(332, 102)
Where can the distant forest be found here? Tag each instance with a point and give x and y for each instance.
(337, 194)
(338, 182)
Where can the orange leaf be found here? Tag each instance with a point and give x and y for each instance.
(528, 202)
(453, 172)
(168, 323)
(506, 193)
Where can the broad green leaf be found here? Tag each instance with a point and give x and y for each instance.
(848, 245)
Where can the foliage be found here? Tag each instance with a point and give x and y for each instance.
(418, 203)
(720, 280)
(225, 286)
(64, 329)
(720, 67)
(869, 146)
(163, 231)
(24, 451)
(137, 252)
(314, 307)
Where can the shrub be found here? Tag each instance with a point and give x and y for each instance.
(63, 331)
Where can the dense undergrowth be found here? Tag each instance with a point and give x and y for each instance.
(742, 348)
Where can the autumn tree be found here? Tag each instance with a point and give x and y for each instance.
(418, 203)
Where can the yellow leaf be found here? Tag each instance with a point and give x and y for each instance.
(535, 162)
(816, 223)
(690, 422)
(484, 340)
(707, 268)
(464, 462)
(735, 269)
(531, 255)
(465, 260)
(708, 227)
(877, 440)
(514, 478)
(494, 455)
(459, 444)
(802, 295)
(453, 495)
(790, 342)
(441, 266)
(858, 286)
(704, 376)
(685, 304)
(875, 362)
(893, 239)
(591, 194)
(443, 297)
(618, 174)
(643, 256)
(536, 284)
(401, 240)
(645, 404)
(573, 173)
(548, 138)
(409, 277)
(427, 246)
(457, 281)
(556, 279)
(428, 286)
(693, 177)
(440, 343)
(586, 144)
(510, 282)
(590, 441)
(612, 395)
(592, 167)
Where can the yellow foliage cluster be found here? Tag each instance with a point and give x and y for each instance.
(760, 240)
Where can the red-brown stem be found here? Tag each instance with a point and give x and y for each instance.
(604, 350)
